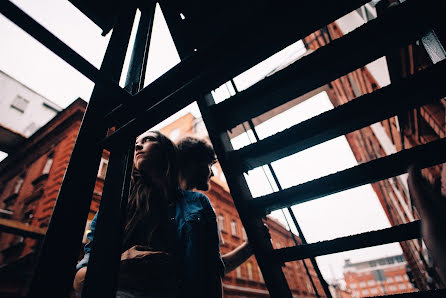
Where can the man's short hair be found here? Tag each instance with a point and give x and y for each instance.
(195, 150)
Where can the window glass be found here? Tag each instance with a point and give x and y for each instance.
(249, 266)
(18, 184)
(238, 271)
(48, 164)
(103, 168)
(20, 104)
(233, 228)
(221, 222)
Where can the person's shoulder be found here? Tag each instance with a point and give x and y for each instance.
(197, 197)
(194, 195)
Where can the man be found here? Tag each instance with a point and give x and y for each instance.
(196, 160)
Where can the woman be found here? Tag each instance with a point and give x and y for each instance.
(170, 246)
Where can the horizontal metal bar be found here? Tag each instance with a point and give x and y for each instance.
(272, 29)
(400, 26)
(19, 228)
(149, 118)
(422, 88)
(58, 47)
(398, 233)
(382, 168)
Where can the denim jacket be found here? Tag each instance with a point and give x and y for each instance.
(201, 264)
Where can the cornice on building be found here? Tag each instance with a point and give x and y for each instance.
(45, 133)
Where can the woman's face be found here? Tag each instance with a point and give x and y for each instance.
(148, 152)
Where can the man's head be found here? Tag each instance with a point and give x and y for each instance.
(196, 159)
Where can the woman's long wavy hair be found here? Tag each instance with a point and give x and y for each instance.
(148, 200)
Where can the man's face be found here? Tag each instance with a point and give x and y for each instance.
(200, 174)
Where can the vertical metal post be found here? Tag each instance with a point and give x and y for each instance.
(54, 272)
(272, 271)
(138, 62)
(103, 267)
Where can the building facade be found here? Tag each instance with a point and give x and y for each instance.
(383, 276)
(29, 183)
(418, 126)
(22, 112)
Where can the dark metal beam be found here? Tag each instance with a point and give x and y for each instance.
(398, 233)
(389, 166)
(54, 44)
(422, 88)
(296, 224)
(272, 272)
(55, 269)
(138, 61)
(272, 29)
(103, 266)
(399, 27)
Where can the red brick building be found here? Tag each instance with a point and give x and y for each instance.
(377, 277)
(30, 179)
(29, 182)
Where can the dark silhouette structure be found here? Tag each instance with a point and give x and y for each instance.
(216, 42)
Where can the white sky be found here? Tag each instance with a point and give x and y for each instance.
(349, 212)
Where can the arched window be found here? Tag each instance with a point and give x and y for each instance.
(238, 271)
(103, 168)
(19, 183)
(233, 228)
(249, 266)
(245, 237)
(221, 222)
(48, 164)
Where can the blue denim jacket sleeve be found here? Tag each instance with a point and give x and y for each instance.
(212, 234)
(202, 263)
(87, 247)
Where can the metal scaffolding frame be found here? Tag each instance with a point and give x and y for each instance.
(215, 45)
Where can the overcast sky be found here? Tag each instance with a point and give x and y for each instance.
(349, 212)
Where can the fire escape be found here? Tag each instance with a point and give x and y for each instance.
(216, 42)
